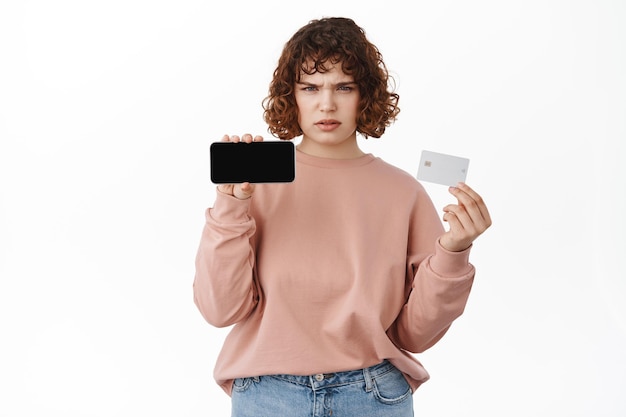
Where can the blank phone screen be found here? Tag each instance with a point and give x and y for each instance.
(256, 162)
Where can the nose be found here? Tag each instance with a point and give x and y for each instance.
(327, 100)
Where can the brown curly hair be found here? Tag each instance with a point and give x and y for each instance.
(331, 40)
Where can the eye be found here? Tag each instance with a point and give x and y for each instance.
(345, 88)
(307, 87)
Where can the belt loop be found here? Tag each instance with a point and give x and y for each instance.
(368, 379)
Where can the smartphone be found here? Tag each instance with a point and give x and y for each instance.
(255, 162)
(442, 169)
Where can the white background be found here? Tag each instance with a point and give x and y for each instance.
(107, 110)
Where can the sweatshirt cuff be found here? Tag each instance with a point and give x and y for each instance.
(228, 209)
(450, 264)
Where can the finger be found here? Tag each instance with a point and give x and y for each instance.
(247, 138)
(473, 224)
(459, 219)
(244, 191)
(258, 138)
(226, 189)
(246, 187)
(456, 238)
(472, 201)
(450, 218)
(480, 203)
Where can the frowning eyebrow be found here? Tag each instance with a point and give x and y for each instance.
(339, 84)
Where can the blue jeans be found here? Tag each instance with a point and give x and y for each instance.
(378, 391)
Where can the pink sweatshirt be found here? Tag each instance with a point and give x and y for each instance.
(336, 271)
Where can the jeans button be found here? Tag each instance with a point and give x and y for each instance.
(319, 377)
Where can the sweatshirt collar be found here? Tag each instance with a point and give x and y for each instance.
(333, 163)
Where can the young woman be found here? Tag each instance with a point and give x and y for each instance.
(333, 280)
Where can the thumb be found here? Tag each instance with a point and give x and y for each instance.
(243, 191)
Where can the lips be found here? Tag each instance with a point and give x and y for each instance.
(328, 124)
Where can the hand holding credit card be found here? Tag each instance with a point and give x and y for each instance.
(442, 169)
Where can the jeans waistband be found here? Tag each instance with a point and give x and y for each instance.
(318, 381)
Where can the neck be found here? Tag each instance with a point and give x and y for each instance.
(345, 150)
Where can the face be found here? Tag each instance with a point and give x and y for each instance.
(328, 105)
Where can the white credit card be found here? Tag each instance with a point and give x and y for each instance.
(442, 169)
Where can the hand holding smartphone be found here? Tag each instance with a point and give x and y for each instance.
(254, 162)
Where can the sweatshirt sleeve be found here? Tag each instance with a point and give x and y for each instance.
(224, 287)
(438, 286)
